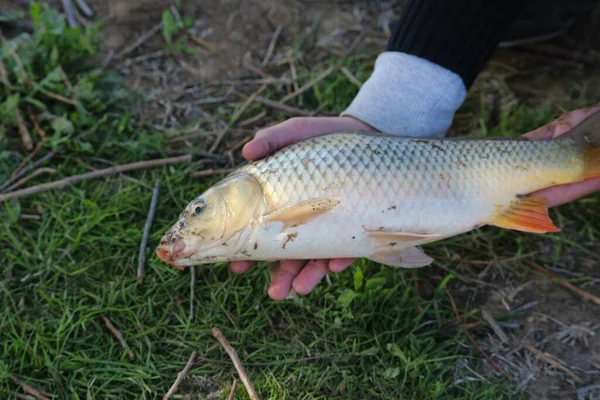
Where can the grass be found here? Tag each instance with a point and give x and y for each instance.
(370, 333)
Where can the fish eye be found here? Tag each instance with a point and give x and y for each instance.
(198, 206)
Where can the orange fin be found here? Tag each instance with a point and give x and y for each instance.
(528, 215)
(591, 163)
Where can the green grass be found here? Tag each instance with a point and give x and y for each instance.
(368, 334)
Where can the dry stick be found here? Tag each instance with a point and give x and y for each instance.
(139, 41)
(497, 330)
(180, 376)
(37, 149)
(212, 172)
(350, 76)
(94, 175)
(494, 364)
(550, 360)
(23, 131)
(26, 170)
(28, 389)
(14, 55)
(149, 218)
(233, 389)
(29, 177)
(278, 105)
(209, 46)
(236, 362)
(309, 84)
(252, 120)
(70, 11)
(235, 116)
(271, 46)
(192, 291)
(118, 335)
(582, 293)
(24, 216)
(85, 9)
(37, 126)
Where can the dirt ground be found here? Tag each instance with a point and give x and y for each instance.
(236, 33)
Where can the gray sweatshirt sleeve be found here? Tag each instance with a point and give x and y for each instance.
(409, 96)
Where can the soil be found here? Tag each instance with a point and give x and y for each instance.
(561, 71)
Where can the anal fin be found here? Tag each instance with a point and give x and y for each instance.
(411, 257)
(299, 213)
(529, 214)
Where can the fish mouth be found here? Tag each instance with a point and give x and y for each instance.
(174, 253)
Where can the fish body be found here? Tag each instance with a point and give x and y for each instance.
(352, 195)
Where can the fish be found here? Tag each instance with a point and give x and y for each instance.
(377, 196)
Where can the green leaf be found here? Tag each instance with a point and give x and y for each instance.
(62, 125)
(396, 351)
(374, 284)
(391, 373)
(169, 26)
(358, 279)
(13, 210)
(346, 298)
(371, 351)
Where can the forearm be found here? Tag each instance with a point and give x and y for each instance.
(436, 50)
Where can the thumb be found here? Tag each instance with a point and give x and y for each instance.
(271, 139)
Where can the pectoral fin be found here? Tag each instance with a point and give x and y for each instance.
(529, 214)
(300, 213)
(411, 257)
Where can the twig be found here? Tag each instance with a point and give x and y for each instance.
(236, 362)
(350, 76)
(208, 46)
(70, 11)
(118, 335)
(233, 389)
(149, 218)
(25, 170)
(309, 84)
(236, 146)
(94, 175)
(235, 116)
(582, 293)
(23, 131)
(180, 376)
(497, 330)
(550, 360)
(494, 364)
(271, 47)
(192, 291)
(85, 9)
(37, 126)
(501, 261)
(140, 40)
(37, 149)
(278, 105)
(29, 177)
(24, 216)
(28, 389)
(252, 120)
(212, 172)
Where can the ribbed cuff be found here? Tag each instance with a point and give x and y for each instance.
(408, 96)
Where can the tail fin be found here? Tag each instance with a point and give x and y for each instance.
(587, 136)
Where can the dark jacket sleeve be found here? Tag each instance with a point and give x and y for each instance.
(460, 35)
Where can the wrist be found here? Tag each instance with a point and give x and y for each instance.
(408, 96)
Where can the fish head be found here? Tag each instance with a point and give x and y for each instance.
(211, 228)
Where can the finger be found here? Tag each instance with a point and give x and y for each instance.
(294, 130)
(561, 194)
(561, 125)
(310, 275)
(239, 267)
(340, 264)
(282, 281)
